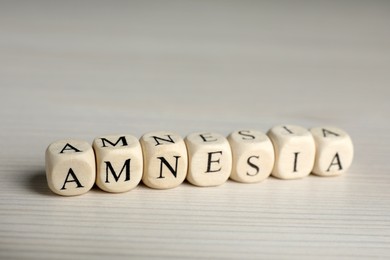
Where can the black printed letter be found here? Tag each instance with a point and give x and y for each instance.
(253, 165)
(209, 161)
(288, 130)
(324, 131)
(121, 139)
(74, 179)
(164, 161)
(156, 138)
(295, 161)
(116, 177)
(70, 148)
(248, 136)
(207, 135)
(335, 161)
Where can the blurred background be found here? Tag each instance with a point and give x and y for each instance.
(135, 66)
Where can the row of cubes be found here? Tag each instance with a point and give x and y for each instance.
(163, 160)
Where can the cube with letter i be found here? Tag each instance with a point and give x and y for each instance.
(294, 151)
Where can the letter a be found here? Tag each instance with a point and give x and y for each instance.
(325, 131)
(70, 148)
(74, 179)
(335, 161)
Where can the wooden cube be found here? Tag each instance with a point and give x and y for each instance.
(210, 159)
(294, 151)
(165, 160)
(253, 156)
(119, 162)
(334, 151)
(70, 167)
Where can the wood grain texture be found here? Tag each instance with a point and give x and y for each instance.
(86, 69)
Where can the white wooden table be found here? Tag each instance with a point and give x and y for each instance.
(86, 69)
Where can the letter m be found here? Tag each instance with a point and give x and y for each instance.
(120, 139)
(126, 167)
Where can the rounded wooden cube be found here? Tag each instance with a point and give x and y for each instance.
(334, 151)
(70, 167)
(253, 156)
(165, 160)
(119, 162)
(294, 151)
(210, 159)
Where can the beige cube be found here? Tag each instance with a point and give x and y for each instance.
(119, 163)
(334, 151)
(210, 159)
(294, 151)
(165, 160)
(253, 156)
(70, 167)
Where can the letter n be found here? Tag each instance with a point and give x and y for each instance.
(158, 139)
(163, 161)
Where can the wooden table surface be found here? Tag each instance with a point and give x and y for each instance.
(83, 69)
